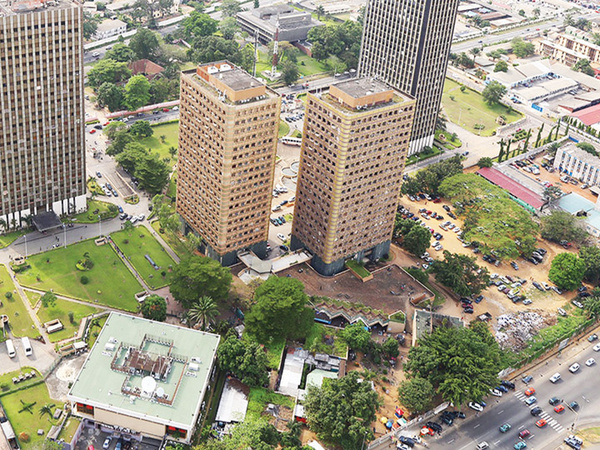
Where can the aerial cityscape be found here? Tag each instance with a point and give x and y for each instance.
(311, 224)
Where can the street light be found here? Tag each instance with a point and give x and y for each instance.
(25, 246)
(65, 234)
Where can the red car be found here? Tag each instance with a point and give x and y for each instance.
(529, 392)
(541, 423)
(559, 408)
(166, 110)
(106, 124)
(523, 434)
(92, 131)
(437, 200)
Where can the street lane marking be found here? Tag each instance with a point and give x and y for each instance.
(496, 443)
(500, 412)
(451, 441)
(478, 425)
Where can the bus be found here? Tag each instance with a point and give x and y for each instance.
(291, 141)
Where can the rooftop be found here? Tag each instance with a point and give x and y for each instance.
(514, 188)
(580, 154)
(362, 87)
(423, 322)
(9, 8)
(589, 116)
(110, 24)
(147, 369)
(573, 203)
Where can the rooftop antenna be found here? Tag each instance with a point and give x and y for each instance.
(275, 49)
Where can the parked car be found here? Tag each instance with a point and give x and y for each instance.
(476, 406)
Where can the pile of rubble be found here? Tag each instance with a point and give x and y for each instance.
(516, 329)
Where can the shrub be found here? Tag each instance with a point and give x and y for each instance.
(71, 317)
(84, 279)
(23, 437)
(8, 295)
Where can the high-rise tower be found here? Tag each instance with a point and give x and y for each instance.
(406, 43)
(42, 127)
(227, 146)
(354, 141)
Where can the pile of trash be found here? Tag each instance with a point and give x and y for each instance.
(516, 329)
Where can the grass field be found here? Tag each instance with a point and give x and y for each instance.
(259, 398)
(61, 310)
(137, 243)
(69, 429)
(306, 65)
(6, 384)
(95, 208)
(172, 188)
(316, 342)
(284, 128)
(172, 240)
(9, 238)
(18, 317)
(468, 109)
(171, 133)
(110, 281)
(29, 422)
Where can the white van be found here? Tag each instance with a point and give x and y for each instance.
(11, 348)
(27, 346)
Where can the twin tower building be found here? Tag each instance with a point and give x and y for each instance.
(357, 135)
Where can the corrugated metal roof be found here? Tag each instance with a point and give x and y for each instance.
(514, 188)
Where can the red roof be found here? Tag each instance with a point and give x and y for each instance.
(522, 193)
(589, 116)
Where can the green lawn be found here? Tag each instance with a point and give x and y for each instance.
(95, 208)
(468, 109)
(172, 188)
(33, 297)
(306, 65)
(6, 384)
(110, 281)
(25, 421)
(421, 156)
(137, 243)
(19, 319)
(259, 398)
(69, 429)
(9, 238)
(315, 341)
(172, 240)
(357, 268)
(155, 144)
(61, 310)
(284, 128)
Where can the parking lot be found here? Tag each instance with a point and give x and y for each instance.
(94, 437)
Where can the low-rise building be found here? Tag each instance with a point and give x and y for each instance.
(425, 322)
(570, 47)
(145, 379)
(109, 28)
(578, 164)
(581, 207)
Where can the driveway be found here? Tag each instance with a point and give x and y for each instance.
(42, 358)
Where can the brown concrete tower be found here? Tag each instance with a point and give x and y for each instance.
(354, 146)
(228, 129)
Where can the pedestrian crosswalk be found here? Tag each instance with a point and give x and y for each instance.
(553, 423)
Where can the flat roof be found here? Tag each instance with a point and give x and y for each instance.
(180, 359)
(580, 154)
(47, 220)
(517, 190)
(9, 8)
(234, 402)
(362, 87)
(573, 203)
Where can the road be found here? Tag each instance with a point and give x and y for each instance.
(579, 387)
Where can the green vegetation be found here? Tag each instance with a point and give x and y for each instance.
(245, 358)
(156, 145)
(69, 429)
(469, 109)
(172, 187)
(29, 421)
(284, 128)
(9, 238)
(7, 386)
(357, 268)
(274, 350)
(491, 218)
(95, 208)
(18, 317)
(110, 281)
(137, 243)
(450, 140)
(60, 310)
(428, 152)
(95, 330)
(319, 334)
(259, 398)
(172, 239)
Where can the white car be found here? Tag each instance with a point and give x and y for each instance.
(457, 230)
(590, 362)
(438, 247)
(425, 266)
(475, 406)
(496, 392)
(597, 348)
(106, 443)
(281, 236)
(554, 378)
(574, 368)
(527, 301)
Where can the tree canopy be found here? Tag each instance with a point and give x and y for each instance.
(413, 237)
(121, 53)
(501, 66)
(144, 43)
(196, 276)
(108, 71)
(111, 96)
(590, 255)
(567, 271)
(493, 92)
(198, 24)
(356, 336)
(416, 394)
(280, 311)
(152, 172)
(341, 411)
(461, 363)
(342, 40)
(429, 179)
(522, 49)
(561, 225)
(246, 359)
(154, 308)
(137, 92)
(591, 304)
(257, 435)
(459, 273)
(141, 128)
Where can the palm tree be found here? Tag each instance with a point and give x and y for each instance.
(13, 222)
(3, 224)
(202, 312)
(46, 409)
(320, 12)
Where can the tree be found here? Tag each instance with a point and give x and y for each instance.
(486, 161)
(591, 304)
(356, 336)
(245, 359)
(590, 255)
(196, 276)
(390, 348)
(48, 299)
(586, 147)
(229, 8)
(562, 226)
(280, 311)
(163, 89)
(119, 141)
(111, 96)
(429, 179)
(144, 43)
(202, 312)
(152, 172)
(414, 238)
(130, 156)
(320, 11)
(552, 193)
(141, 128)
(214, 48)
(536, 12)
(289, 72)
(493, 92)
(198, 24)
(154, 308)
(460, 273)
(416, 394)
(90, 25)
(121, 53)
(46, 409)
(464, 60)
(567, 271)
(256, 4)
(341, 410)
(229, 27)
(501, 66)
(522, 49)
(108, 71)
(583, 66)
(137, 92)
(461, 363)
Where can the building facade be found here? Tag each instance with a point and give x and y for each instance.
(354, 147)
(229, 123)
(406, 43)
(109, 28)
(570, 47)
(42, 127)
(578, 164)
